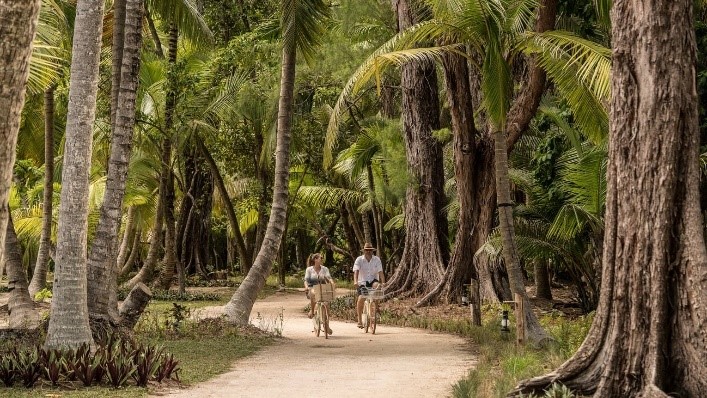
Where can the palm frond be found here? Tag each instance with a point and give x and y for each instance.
(303, 25)
(330, 197)
(185, 15)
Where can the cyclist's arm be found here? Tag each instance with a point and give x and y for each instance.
(381, 277)
(355, 280)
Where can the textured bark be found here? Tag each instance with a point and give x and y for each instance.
(119, 16)
(649, 335)
(542, 280)
(39, 276)
(20, 305)
(425, 254)
(460, 269)
(18, 22)
(68, 323)
(134, 305)
(101, 261)
(240, 306)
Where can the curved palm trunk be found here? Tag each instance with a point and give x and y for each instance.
(20, 306)
(425, 254)
(649, 335)
(125, 242)
(534, 332)
(18, 22)
(39, 276)
(241, 304)
(134, 251)
(101, 264)
(68, 324)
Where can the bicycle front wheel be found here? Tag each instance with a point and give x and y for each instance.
(318, 319)
(374, 317)
(367, 316)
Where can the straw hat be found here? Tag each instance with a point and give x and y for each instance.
(368, 246)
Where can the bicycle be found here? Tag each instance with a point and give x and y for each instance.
(370, 314)
(324, 294)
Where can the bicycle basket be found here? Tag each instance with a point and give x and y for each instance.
(323, 292)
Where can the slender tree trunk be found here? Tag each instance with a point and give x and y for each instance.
(533, 330)
(128, 265)
(154, 34)
(425, 255)
(18, 22)
(241, 304)
(20, 305)
(649, 335)
(147, 271)
(128, 233)
(101, 261)
(232, 218)
(119, 19)
(39, 276)
(68, 323)
(542, 280)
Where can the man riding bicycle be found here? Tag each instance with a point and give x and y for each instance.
(368, 273)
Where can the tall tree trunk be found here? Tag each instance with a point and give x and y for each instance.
(265, 197)
(39, 276)
(533, 330)
(542, 280)
(119, 19)
(147, 271)
(68, 323)
(20, 306)
(241, 304)
(425, 254)
(18, 22)
(101, 261)
(232, 218)
(649, 335)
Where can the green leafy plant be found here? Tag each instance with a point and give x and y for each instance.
(8, 368)
(28, 367)
(43, 294)
(146, 364)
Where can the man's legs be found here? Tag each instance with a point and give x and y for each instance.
(359, 308)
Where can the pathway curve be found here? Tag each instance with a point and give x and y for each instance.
(395, 362)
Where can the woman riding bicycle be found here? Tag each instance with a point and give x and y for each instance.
(315, 274)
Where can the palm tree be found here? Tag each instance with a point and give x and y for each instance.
(101, 268)
(302, 26)
(68, 324)
(18, 21)
(20, 306)
(498, 32)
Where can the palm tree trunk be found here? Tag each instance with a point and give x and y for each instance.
(18, 22)
(128, 265)
(101, 263)
(119, 17)
(68, 323)
(128, 234)
(232, 218)
(241, 304)
(542, 280)
(533, 330)
(20, 306)
(39, 276)
(147, 271)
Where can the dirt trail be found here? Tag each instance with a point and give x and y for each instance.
(395, 362)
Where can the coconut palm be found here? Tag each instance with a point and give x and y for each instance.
(302, 27)
(68, 324)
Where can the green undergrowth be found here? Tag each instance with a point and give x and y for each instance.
(203, 347)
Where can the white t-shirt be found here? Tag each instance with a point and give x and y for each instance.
(367, 270)
(313, 277)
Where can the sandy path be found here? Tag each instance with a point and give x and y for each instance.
(395, 362)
